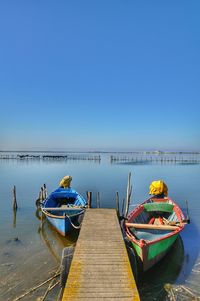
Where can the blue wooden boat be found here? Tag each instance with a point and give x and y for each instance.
(63, 208)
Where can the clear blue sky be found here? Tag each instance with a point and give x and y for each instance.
(106, 74)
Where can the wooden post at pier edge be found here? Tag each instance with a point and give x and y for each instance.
(117, 204)
(128, 195)
(98, 200)
(89, 198)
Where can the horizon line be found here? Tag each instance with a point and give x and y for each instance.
(104, 151)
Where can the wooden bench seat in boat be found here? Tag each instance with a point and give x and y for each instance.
(150, 226)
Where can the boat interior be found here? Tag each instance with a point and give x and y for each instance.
(155, 217)
(63, 205)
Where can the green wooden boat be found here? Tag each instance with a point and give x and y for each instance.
(152, 228)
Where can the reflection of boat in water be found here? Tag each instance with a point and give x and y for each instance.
(166, 271)
(51, 238)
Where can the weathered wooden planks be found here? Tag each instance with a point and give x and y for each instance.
(100, 267)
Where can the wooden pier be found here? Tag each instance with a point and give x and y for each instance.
(100, 268)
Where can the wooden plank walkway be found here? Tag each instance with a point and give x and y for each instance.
(100, 268)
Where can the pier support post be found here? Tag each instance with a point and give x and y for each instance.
(117, 204)
(128, 195)
(98, 200)
(89, 198)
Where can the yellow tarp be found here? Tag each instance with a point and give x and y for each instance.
(158, 187)
(65, 182)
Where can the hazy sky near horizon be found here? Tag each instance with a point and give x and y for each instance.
(106, 74)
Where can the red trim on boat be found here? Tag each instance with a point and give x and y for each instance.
(140, 208)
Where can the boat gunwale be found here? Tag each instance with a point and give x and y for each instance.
(60, 216)
(141, 242)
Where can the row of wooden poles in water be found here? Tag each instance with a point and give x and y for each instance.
(41, 197)
(125, 203)
(124, 208)
(51, 157)
(195, 158)
(160, 159)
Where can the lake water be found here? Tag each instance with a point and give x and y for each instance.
(29, 255)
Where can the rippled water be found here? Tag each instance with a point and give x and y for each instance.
(28, 254)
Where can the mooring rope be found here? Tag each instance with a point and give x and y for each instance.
(74, 226)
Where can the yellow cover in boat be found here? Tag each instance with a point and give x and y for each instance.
(158, 187)
(65, 182)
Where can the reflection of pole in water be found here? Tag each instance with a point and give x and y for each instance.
(51, 239)
(39, 215)
(47, 243)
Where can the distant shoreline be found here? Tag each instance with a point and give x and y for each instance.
(106, 152)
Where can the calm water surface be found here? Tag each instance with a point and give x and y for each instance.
(28, 254)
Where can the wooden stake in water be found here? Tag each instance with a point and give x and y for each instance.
(117, 204)
(128, 195)
(123, 203)
(187, 210)
(44, 192)
(89, 198)
(40, 197)
(98, 200)
(14, 199)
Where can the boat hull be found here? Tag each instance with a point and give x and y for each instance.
(63, 209)
(152, 228)
(152, 253)
(64, 224)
